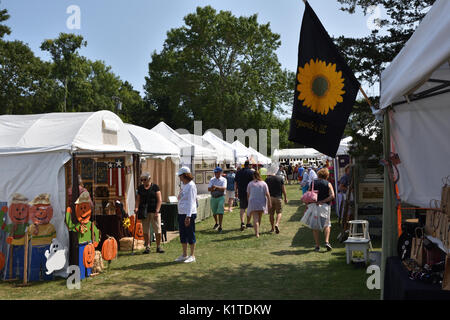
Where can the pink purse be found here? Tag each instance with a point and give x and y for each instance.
(310, 196)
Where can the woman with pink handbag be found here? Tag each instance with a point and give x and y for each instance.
(322, 191)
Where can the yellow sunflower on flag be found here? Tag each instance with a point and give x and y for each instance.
(320, 86)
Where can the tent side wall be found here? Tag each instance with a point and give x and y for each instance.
(163, 173)
(33, 174)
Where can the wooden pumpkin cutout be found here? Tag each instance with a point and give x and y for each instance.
(139, 229)
(89, 255)
(109, 249)
(2, 260)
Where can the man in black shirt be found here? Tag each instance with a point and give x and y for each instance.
(242, 179)
(149, 200)
(276, 190)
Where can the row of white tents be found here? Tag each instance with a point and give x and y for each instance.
(36, 152)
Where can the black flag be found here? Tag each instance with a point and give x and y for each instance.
(325, 89)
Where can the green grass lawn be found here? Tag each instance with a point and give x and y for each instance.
(231, 265)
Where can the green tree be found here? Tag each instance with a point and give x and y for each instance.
(25, 86)
(65, 58)
(221, 69)
(4, 29)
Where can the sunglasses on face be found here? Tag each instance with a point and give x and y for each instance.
(143, 180)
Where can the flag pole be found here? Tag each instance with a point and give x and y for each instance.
(365, 96)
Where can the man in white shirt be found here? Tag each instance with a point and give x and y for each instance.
(217, 186)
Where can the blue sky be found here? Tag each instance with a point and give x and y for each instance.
(124, 34)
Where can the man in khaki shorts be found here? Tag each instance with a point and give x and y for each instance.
(149, 198)
(276, 190)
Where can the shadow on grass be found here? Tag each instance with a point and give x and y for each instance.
(237, 238)
(146, 265)
(291, 252)
(306, 280)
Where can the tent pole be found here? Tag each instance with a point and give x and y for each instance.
(365, 96)
(389, 229)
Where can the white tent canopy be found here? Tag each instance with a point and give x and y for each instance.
(297, 153)
(225, 150)
(242, 152)
(189, 150)
(219, 150)
(419, 60)
(344, 145)
(76, 131)
(259, 157)
(420, 128)
(34, 149)
(152, 143)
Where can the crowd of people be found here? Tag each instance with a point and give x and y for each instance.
(245, 186)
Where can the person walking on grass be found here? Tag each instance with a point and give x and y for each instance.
(231, 194)
(276, 190)
(149, 196)
(242, 179)
(187, 213)
(258, 200)
(217, 186)
(324, 198)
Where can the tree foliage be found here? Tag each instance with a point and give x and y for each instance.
(70, 82)
(221, 69)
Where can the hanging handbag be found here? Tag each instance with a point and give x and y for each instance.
(417, 248)
(443, 227)
(310, 196)
(432, 221)
(445, 196)
(446, 280)
(433, 255)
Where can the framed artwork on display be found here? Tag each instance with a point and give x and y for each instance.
(87, 169)
(208, 176)
(371, 192)
(199, 178)
(102, 172)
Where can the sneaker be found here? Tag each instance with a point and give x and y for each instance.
(159, 250)
(277, 230)
(219, 229)
(242, 226)
(249, 225)
(317, 249)
(189, 259)
(146, 251)
(181, 258)
(328, 246)
(215, 226)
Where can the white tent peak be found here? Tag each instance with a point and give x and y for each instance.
(151, 142)
(69, 131)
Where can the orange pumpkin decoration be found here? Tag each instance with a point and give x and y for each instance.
(139, 229)
(2, 260)
(89, 255)
(109, 249)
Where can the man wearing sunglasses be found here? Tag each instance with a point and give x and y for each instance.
(149, 201)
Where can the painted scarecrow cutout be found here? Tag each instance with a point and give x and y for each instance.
(88, 234)
(41, 233)
(18, 214)
(3, 214)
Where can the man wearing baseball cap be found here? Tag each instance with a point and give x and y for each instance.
(217, 186)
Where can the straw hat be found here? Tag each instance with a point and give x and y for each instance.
(18, 198)
(84, 197)
(43, 198)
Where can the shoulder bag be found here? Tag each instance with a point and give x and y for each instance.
(310, 196)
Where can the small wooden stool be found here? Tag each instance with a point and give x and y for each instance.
(360, 229)
(357, 244)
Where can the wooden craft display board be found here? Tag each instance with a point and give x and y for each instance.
(94, 175)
